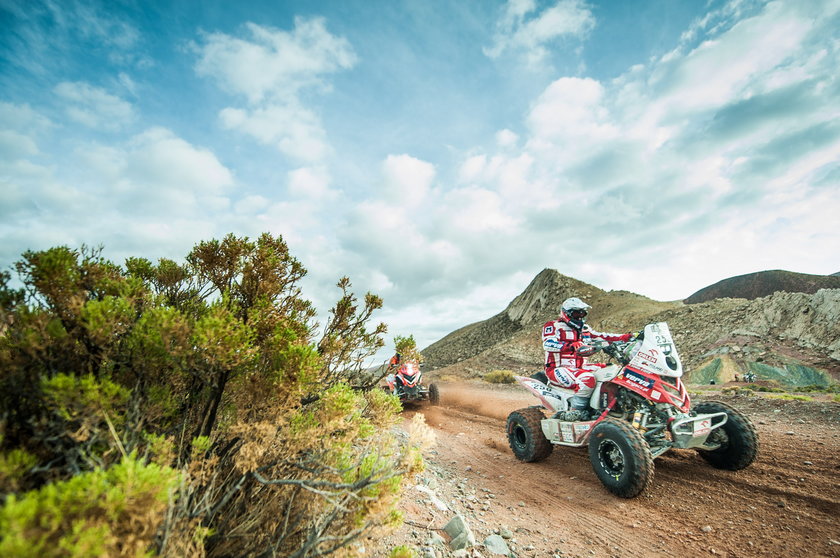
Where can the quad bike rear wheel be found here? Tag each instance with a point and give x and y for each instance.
(525, 435)
(434, 394)
(621, 457)
(737, 438)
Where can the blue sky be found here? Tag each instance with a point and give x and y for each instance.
(440, 154)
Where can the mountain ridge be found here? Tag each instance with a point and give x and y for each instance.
(764, 283)
(778, 331)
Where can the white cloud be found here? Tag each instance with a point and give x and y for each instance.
(273, 64)
(94, 107)
(472, 168)
(158, 158)
(736, 64)
(406, 180)
(16, 146)
(475, 210)
(251, 205)
(292, 129)
(23, 118)
(506, 138)
(271, 68)
(680, 163)
(313, 183)
(531, 36)
(571, 109)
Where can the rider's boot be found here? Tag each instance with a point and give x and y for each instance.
(579, 408)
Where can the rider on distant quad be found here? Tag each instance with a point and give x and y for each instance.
(393, 366)
(566, 344)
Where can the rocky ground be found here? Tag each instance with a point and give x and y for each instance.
(786, 504)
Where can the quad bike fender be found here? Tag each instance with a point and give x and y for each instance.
(542, 392)
(692, 432)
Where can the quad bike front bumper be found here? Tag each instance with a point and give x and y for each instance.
(686, 432)
(694, 432)
(416, 393)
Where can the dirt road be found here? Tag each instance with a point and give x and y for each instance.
(786, 504)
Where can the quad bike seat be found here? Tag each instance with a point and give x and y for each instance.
(540, 377)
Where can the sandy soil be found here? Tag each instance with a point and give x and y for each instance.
(786, 504)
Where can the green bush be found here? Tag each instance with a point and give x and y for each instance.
(14, 465)
(789, 397)
(115, 512)
(190, 409)
(764, 388)
(402, 551)
(406, 346)
(831, 388)
(500, 377)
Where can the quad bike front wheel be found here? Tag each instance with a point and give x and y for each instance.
(525, 435)
(737, 438)
(434, 394)
(621, 457)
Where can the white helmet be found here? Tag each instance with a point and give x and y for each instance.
(573, 311)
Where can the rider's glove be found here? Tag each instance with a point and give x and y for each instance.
(583, 350)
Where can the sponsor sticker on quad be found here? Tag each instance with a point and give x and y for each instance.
(567, 432)
(637, 378)
(702, 426)
(650, 357)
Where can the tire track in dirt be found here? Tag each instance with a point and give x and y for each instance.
(690, 508)
(562, 483)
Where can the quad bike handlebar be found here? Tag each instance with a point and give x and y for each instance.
(616, 349)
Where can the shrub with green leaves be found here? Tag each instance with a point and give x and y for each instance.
(111, 512)
(190, 408)
(402, 551)
(406, 346)
(789, 397)
(500, 377)
(764, 388)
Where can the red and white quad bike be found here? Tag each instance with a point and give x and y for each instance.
(641, 410)
(407, 384)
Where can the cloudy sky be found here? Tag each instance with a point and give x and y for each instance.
(438, 153)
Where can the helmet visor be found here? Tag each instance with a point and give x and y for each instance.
(577, 314)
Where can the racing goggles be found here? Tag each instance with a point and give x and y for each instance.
(577, 314)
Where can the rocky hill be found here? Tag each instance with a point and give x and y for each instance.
(787, 337)
(764, 283)
(538, 303)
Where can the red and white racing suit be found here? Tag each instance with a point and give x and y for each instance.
(563, 366)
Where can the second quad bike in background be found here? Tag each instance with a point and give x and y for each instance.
(407, 384)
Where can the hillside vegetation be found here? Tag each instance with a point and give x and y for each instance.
(788, 337)
(189, 410)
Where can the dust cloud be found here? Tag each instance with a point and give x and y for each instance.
(484, 402)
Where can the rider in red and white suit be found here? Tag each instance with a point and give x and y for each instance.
(566, 344)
